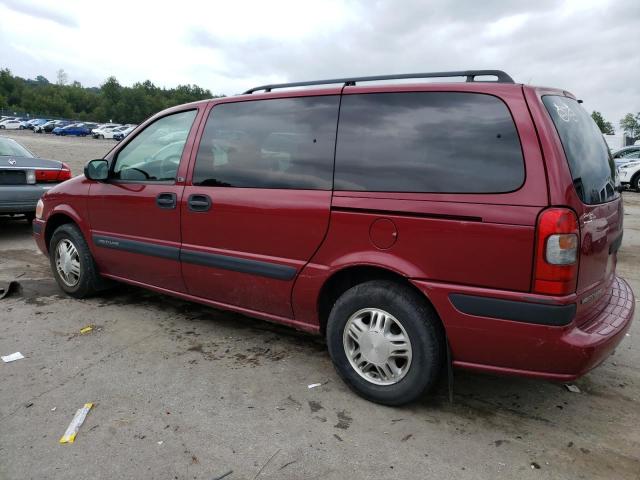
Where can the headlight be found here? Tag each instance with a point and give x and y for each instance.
(39, 209)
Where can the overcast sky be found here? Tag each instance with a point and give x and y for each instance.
(591, 48)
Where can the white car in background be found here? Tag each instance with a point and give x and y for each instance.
(10, 124)
(110, 133)
(119, 135)
(629, 174)
(102, 130)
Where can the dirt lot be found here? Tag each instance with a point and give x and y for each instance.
(185, 391)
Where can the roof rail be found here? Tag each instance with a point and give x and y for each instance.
(501, 76)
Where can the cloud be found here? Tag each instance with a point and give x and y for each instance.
(39, 10)
(571, 45)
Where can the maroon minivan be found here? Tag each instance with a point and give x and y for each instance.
(475, 223)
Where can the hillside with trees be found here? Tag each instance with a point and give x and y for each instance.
(110, 102)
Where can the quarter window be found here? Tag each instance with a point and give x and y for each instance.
(154, 154)
(444, 142)
(280, 143)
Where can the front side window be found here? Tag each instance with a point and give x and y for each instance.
(281, 143)
(154, 154)
(592, 168)
(439, 142)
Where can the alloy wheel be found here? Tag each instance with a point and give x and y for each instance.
(377, 346)
(67, 261)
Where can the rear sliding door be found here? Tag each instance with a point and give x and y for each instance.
(258, 202)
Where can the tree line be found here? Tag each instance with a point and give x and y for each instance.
(110, 102)
(117, 103)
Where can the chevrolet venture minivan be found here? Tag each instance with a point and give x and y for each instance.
(417, 226)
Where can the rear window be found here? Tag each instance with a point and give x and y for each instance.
(444, 142)
(592, 168)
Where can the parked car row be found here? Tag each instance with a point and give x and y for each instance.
(68, 127)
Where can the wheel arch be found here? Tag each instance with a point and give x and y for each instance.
(347, 277)
(53, 222)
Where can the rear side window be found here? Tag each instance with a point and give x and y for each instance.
(592, 168)
(280, 143)
(444, 142)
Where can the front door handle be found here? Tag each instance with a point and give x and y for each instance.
(167, 200)
(199, 203)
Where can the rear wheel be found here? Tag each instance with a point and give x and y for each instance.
(72, 263)
(635, 182)
(385, 342)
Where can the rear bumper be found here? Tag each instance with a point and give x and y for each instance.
(538, 349)
(21, 198)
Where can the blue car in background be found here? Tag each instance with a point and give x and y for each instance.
(78, 129)
(28, 124)
(35, 123)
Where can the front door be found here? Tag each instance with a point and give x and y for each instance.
(258, 203)
(135, 215)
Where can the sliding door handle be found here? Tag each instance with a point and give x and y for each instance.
(199, 203)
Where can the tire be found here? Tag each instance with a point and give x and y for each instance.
(413, 372)
(88, 281)
(101, 137)
(635, 182)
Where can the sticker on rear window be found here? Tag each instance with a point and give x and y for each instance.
(564, 112)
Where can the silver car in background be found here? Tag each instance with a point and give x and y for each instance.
(24, 178)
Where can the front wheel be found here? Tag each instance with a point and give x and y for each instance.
(635, 183)
(72, 263)
(385, 342)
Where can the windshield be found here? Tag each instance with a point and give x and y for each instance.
(592, 168)
(10, 147)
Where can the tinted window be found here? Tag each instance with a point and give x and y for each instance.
(281, 143)
(154, 154)
(427, 142)
(592, 168)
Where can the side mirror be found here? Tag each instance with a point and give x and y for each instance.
(97, 170)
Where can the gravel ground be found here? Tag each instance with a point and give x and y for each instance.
(75, 151)
(183, 391)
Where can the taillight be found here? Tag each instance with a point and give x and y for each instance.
(53, 176)
(556, 266)
(64, 173)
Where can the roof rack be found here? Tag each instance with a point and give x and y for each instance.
(501, 76)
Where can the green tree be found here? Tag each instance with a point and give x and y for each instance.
(604, 126)
(112, 101)
(630, 125)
